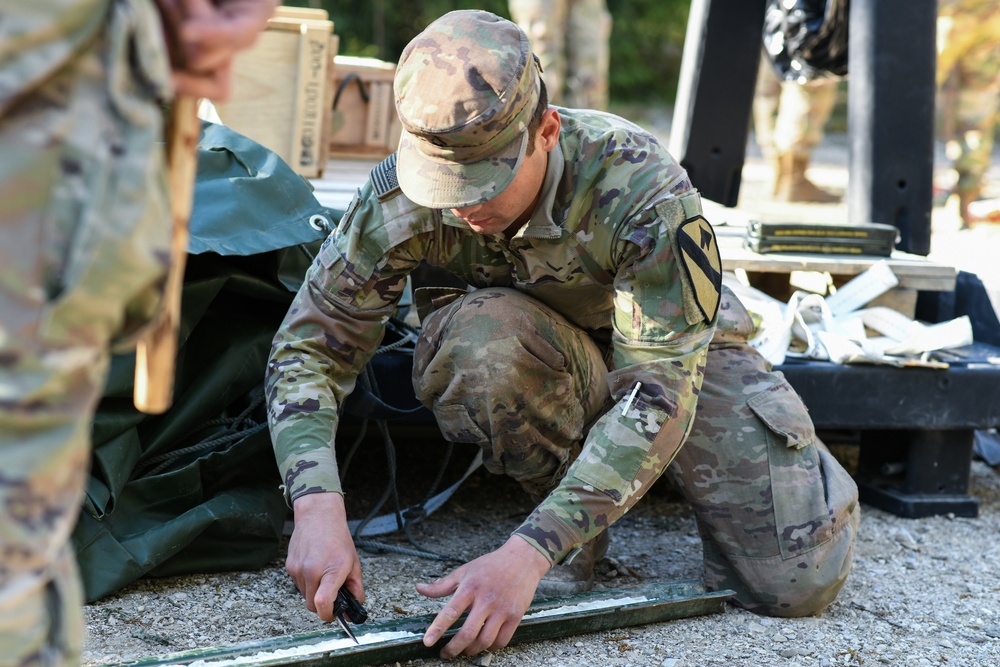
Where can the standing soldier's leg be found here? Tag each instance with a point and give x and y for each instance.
(803, 112)
(778, 515)
(766, 95)
(47, 394)
(83, 233)
(588, 54)
(544, 21)
(44, 435)
(971, 149)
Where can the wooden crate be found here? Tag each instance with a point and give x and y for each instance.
(281, 90)
(364, 122)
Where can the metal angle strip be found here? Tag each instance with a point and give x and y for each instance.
(654, 603)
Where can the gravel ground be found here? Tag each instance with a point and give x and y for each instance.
(922, 591)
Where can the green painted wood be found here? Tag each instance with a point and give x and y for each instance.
(664, 602)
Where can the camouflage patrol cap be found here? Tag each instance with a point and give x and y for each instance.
(466, 89)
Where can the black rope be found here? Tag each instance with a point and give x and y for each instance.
(206, 445)
(379, 548)
(390, 451)
(404, 518)
(363, 431)
(409, 334)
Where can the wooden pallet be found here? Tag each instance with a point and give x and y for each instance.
(775, 273)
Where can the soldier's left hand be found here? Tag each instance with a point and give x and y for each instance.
(495, 589)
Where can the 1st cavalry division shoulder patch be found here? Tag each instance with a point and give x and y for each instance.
(701, 266)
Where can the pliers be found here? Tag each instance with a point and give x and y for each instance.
(347, 608)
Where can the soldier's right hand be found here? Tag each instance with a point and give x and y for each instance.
(321, 554)
(203, 37)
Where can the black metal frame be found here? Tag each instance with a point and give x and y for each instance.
(890, 107)
(916, 425)
(711, 123)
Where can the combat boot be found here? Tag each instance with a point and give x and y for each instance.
(577, 575)
(779, 174)
(965, 198)
(791, 184)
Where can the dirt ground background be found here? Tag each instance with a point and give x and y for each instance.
(922, 591)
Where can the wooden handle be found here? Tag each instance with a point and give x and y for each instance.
(156, 351)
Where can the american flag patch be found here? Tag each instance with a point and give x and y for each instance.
(383, 177)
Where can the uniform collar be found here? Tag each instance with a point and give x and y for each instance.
(541, 225)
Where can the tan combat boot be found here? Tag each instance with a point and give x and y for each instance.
(965, 197)
(779, 174)
(791, 184)
(577, 575)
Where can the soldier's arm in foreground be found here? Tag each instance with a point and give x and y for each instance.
(667, 295)
(331, 330)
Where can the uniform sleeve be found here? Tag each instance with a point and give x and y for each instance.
(665, 314)
(331, 330)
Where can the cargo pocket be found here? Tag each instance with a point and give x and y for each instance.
(109, 284)
(329, 255)
(458, 426)
(803, 519)
(784, 413)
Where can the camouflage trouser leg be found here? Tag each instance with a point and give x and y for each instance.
(571, 40)
(544, 21)
(778, 515)
(44, 447)
(83, 232)
(588, 54)
(766, 95)
(971, 147)
(501, 370)
(47, 394)
(803, 110)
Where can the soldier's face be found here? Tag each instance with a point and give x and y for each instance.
(513, 207)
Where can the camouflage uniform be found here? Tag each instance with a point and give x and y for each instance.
(578, 359)
(571, 40)
(789, 116)
(84, 230)
(969, 77)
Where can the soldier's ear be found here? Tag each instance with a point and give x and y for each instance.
(548, 131)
